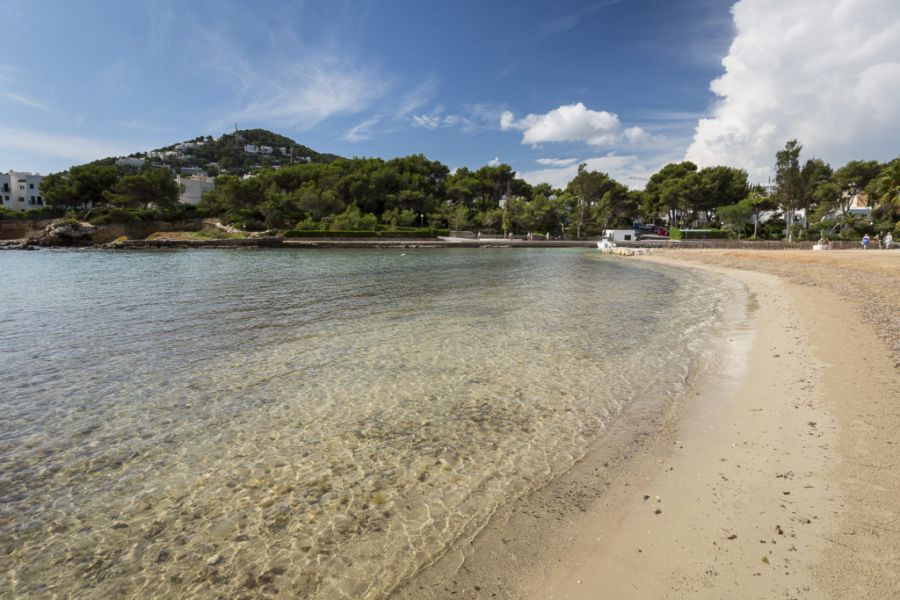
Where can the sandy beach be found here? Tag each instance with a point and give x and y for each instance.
(777, 478)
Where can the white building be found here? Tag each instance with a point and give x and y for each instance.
(21, 191)
(251, 148)
(194, 188)
(265, 149)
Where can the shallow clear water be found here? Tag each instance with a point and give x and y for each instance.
(308, 423)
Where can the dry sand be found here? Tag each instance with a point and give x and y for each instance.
(779, 479)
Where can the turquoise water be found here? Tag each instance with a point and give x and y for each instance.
(317, 423)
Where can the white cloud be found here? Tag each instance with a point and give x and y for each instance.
(362, 131)
(307, 94)
(826, 72)
(426, 121)
(471, 118)
(290, 91)
(627, 170)
(24, 100)
(417, 97)
(574, 123)
(71, 148)
(557, 162)
(494, 162)
(566, 22)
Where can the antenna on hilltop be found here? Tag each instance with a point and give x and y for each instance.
(235, 128)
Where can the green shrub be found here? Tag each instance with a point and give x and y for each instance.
(411, 232)
(34, 214)
(105, 216)
(296, 233)
(421, 233)
(308, 224)
(698, 234)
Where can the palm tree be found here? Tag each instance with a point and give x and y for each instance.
(886, 186)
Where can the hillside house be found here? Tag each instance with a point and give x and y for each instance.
(193, 188)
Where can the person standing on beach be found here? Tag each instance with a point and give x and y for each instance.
(878, 241)
(865, 242)
(888, 240)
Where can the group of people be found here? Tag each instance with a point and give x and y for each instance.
(886, 241)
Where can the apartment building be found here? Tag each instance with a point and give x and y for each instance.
(21, 191)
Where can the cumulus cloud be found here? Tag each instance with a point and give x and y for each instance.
(494, 162)
(573, 123)
(826, 72)
(626, 169)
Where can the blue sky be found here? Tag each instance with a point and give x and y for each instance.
(540, 85)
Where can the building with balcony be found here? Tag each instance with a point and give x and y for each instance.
(21, 191)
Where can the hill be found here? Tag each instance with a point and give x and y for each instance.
(240, 152)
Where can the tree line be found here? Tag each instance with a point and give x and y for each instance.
(410, 191)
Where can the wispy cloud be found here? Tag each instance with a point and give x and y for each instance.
(564, 23)
(294, 86)
(392, 115)
(471, 118)
(308, 94)
(557, 162)
(25, 101)
(73, 148)
(362, 131)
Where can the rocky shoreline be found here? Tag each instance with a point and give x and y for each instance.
(69, 233)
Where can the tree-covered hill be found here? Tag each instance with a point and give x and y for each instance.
(240, 152)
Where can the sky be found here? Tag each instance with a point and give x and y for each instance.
(625, 86)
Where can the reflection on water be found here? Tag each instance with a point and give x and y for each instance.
(303, 423)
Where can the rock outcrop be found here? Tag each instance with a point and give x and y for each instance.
(65, 232)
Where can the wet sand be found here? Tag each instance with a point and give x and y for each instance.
(778, 477)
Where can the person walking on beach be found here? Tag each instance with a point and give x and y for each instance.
(878, 241)
(865, 242)
(888, 240)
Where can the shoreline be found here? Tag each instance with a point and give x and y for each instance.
(783, 485)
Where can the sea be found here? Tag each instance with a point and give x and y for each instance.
(309, 423)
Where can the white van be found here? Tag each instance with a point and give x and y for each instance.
(620, 235)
